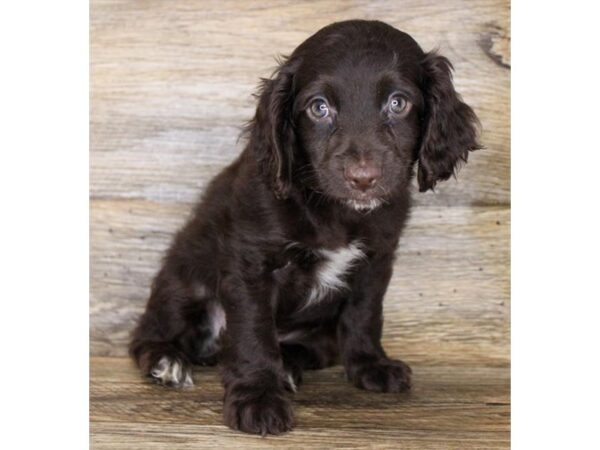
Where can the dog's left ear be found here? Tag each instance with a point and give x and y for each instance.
(271, 131)
(450, 126)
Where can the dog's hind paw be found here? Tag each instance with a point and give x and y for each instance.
(172, 372)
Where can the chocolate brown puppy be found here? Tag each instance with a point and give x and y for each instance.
(285, 261)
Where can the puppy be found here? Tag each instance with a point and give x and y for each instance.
(285, 262)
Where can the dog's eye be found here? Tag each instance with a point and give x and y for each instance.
(398, 104)
(319, 109)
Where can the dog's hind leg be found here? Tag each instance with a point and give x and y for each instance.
(180, 327)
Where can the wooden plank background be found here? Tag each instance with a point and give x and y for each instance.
(171, 86)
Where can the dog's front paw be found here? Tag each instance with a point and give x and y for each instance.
(260, 411)
(384, 375)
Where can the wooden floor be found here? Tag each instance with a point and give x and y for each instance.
(171, 86)
(449, 407)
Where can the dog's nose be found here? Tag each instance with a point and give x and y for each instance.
(362, 176)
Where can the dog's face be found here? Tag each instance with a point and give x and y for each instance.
(352, 110)
(357, 121)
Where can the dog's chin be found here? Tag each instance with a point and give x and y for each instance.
(363, 205)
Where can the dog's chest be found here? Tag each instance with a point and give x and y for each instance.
(331, 272)
(322, 271)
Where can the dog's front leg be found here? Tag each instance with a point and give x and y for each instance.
(256, 385)
(359, 332)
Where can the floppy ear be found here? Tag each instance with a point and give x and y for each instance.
(450, 126)
(271, 131)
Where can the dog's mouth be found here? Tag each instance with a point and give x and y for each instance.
(364, 205)
(363, 202)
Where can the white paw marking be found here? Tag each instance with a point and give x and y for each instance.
(331, 271)
(171, 372)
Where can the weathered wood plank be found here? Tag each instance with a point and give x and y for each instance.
(448, 299)
(462, 407)
(128, 436)
(171, 85)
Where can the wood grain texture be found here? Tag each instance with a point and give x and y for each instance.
(449, 407)
(171, 84)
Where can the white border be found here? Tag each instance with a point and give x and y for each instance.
(555, 225)
(44, 239)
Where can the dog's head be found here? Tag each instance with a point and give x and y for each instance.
(353, 108)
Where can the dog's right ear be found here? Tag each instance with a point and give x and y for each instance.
(272, 132)
(450, 125)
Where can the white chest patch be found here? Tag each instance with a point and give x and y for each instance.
(331, 271)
